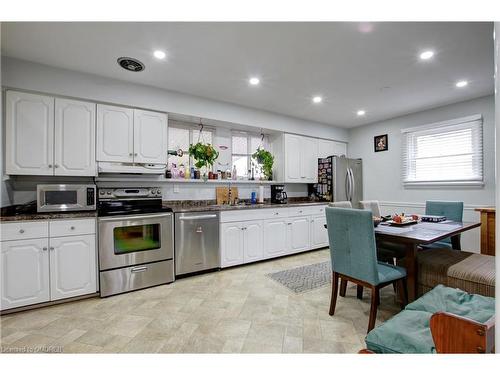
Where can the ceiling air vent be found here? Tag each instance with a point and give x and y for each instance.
(131, 64)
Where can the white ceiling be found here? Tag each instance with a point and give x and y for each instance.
(352, 65)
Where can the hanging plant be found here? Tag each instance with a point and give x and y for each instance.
(203, 154)
(266, 160)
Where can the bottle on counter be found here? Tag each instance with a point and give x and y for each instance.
(234, 174)
(253, 197)
(187, 173)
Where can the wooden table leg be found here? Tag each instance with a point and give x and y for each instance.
(411, 271)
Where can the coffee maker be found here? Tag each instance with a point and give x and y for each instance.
(278, 194)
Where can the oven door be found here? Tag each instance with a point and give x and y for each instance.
(131, 240)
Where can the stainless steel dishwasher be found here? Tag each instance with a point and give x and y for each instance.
(196, 242)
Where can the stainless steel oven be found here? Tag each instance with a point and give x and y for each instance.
(65, 197)
(136, 240)
(129, 240)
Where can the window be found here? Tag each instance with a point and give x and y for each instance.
(445, 153)
(243, 146)
(180, 136)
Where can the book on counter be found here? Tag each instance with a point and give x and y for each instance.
(433, 218)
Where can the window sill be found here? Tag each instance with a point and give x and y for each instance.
(444, 184)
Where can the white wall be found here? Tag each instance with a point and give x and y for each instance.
(382, 170)
(36, 77)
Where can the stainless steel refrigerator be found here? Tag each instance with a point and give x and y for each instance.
(340, 179)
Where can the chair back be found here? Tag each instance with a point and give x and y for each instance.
(342, 204)
(352, 243)
(373, 206)
(452, 210)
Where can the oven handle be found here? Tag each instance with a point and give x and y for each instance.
(135, 217)
(198, 217)
(139, 269)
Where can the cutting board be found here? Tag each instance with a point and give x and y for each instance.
(222, 194)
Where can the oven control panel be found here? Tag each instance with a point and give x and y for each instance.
(130, 193)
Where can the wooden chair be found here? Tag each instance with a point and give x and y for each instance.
(354, 257)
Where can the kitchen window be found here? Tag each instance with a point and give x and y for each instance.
(446, 153)
(180, 136)
(243, 146)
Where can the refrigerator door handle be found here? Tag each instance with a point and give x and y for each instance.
(347, 184)
(353, 185)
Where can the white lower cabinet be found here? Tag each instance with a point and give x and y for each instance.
(25, 272)
(298, 234)
(231, 244)
(72, 266)
(253, 241)
(319, 234)
(275, 237)
(46, 269)
(252, 235)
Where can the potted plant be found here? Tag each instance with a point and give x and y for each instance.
(203, 154)
(265, 160)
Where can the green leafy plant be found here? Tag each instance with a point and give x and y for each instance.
(204, 154)
(266, 160)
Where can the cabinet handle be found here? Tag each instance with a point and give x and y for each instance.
(50, 166)
(21, 230)
(72, 228)
(312, 220)
(51, 248)
(56, 165)
(135, 154)
(139, 269)
(44, 248)
(130, 154)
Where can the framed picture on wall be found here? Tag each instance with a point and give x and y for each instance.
(380, 143)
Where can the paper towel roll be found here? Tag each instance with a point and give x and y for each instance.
(261, 194)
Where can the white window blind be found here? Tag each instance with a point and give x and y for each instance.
(445, 153)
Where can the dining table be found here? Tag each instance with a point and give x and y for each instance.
(413, 237)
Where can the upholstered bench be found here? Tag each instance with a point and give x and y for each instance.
(473, 273)
(444, 320)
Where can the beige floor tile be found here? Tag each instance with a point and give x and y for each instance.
(235, 310)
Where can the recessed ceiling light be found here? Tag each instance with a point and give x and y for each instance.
(461, 83)
(317, 99)
(426, 55)
(159, 54)
(254, 81)
(361, 112)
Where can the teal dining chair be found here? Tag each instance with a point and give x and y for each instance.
(452, 211)
(354, 257)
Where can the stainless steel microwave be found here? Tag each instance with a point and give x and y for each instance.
(65, 197)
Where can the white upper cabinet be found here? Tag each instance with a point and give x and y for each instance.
(301, 158)
(127, 135)
(25, 273)
(115, 134)
(329, 148)
(309, 160)
(150, 137)
(29, 134)
(74, 152)
(292, 158)
(49, 136)
(72, 266)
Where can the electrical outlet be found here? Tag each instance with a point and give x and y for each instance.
(176, 188)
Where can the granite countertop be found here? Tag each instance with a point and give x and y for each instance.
(15, 213)
(204, 206)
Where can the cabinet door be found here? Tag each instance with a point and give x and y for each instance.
(292, 158)
(231, 244)
(319, 234)
(150, 137)
(115, 134)
(74, 146)
(325, 148)
(253, 241)
(29, 144)
(275, 238)
(72, 266)
(298, 234)
(339, 149)
(309, 160)
(25, 272)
